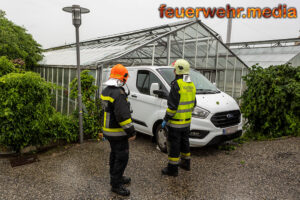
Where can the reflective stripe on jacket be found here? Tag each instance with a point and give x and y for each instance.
(117, 122)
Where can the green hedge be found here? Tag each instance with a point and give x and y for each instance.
(271, 102)
(92, 108)
(6, 66)
(26, 115)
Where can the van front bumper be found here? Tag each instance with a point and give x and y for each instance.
(213, 134)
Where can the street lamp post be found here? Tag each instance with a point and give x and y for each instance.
(76, 11)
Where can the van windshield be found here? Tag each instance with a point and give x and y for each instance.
(203, 86)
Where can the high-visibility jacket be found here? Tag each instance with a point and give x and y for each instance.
(181, 102)
(117, 123)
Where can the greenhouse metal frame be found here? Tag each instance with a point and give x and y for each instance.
(160, 45)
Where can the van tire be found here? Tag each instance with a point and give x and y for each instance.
(161, 139)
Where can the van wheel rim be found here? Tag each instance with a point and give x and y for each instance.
(162, 140)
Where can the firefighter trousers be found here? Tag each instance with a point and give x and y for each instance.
(178, 144)
(118, 160)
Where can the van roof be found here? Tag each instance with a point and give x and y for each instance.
(145, 67)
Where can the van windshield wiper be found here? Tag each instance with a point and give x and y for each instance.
(206, 91)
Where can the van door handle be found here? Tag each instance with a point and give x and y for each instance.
(134, 96)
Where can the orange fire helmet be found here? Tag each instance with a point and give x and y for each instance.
(119, 72)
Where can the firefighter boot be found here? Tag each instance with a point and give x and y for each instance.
(171, 170)
(185, 164)
(126, 180)
(121, 190)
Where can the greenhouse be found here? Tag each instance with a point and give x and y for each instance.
(160, 45)
(268, 52)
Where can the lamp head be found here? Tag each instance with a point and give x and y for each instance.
(76, 11)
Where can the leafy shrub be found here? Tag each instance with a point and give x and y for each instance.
(24, 110)
(92, 108)
(6, 66)
(271, 102)
(26, 115)
(62, 127)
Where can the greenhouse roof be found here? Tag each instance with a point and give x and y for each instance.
(267, 53)
(126, 45)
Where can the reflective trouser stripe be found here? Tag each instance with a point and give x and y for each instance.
(185, 155)
(178, 125)
(178, 121)
(173, 161)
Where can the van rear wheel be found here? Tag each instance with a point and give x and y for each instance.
(161, 139)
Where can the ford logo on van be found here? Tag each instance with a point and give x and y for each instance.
(229, 116)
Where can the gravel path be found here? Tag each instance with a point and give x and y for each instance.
(256, 170)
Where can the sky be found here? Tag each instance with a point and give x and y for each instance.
(50, 26)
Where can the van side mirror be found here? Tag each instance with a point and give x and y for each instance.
(154, 86)
(161, 94)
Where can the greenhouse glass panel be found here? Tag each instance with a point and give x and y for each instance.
(176, 51)
(230, 61)
(42, 72)
(50, 74)
(220, 79)
(65, 91)
(93, 73)
(201, 54)
(244, 73)
(211, 63)
(72, 101)
(203, 32)
(212, 48)
(238, 79)
(54, 91)
(59, 80)
(177, 45)
(59, 96)
(222, 55)
(54, 75)
(190, 32)
(229, 75)
(189, 53)
(45, 73)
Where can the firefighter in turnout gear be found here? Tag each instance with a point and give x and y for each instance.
(117, 127)
(181, 102)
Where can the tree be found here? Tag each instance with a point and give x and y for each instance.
(15, 43)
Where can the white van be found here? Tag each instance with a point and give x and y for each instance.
(216, 117)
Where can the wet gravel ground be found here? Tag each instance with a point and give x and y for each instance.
(256, 170)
